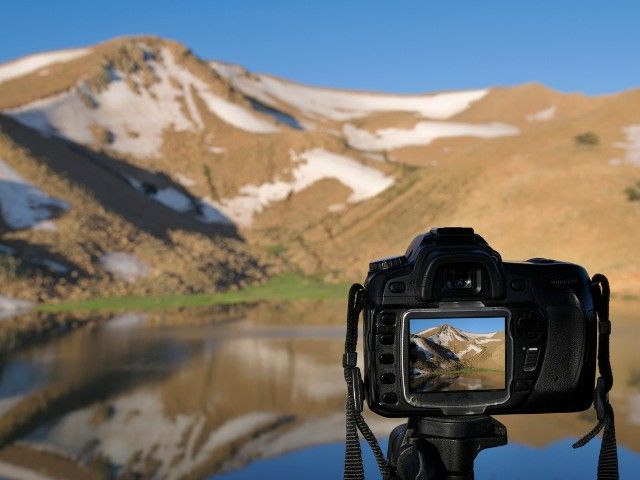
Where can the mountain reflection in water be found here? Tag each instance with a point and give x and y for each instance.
(255, 393)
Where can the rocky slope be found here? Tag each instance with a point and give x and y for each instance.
(134, 166)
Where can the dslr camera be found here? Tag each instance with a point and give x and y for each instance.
(451, 329)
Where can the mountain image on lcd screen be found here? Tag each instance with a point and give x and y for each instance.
(446, 358)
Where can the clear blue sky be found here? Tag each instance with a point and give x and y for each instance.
(471, 325)
(397, 46)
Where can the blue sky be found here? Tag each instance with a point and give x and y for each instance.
(472, 325)
(398, 46)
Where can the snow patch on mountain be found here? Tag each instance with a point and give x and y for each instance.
(471, 348)
(31, 63)
(543, 115)
(204, 209)
(118, 109)
(479, 335)
(124, 266)
(423, 133)
(21, 204)
(631, 147)
(229, 112)
(421, 343)
(344, 105)
(148, 112)
(488, 340)
(309, 167)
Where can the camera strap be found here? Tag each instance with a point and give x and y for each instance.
(353, 467)
(608, 459)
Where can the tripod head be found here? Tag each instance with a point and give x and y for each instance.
(435, 448)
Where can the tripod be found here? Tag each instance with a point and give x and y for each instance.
(435, 448)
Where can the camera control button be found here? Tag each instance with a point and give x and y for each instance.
(386, 339)
(397, 287)
(518, 284)
(390, 397)
(387, 318)
(386, 358)
(387, 263)
(531, 359)
(388, 378)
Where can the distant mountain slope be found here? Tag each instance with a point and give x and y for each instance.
(310, 178)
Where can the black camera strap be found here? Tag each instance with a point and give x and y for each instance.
(353, 468)
(608, 459)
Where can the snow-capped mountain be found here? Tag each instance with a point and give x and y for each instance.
(446, 347)
(140, 138)
(144, 90)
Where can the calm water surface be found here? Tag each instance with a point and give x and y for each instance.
(254, 394)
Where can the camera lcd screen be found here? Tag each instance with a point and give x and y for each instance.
(454, 354)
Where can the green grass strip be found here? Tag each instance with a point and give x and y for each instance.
(286, 287)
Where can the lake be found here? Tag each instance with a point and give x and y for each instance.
(244, 393)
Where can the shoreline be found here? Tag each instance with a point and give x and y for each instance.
(285, 287)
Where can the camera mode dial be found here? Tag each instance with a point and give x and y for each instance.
(387, 263)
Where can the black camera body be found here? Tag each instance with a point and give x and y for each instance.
(451, 329)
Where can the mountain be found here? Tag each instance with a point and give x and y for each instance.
(448, 348)
(133, 166)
